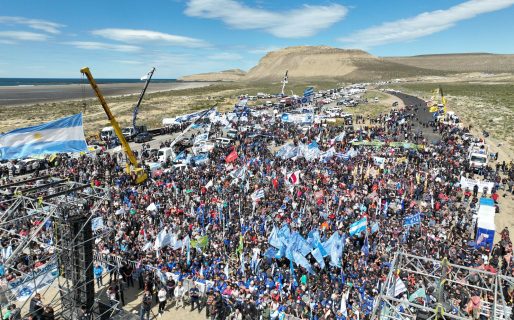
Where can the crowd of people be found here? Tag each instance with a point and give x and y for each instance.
(222, 219)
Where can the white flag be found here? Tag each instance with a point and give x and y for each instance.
(209, 184)
(226, 270)
(145, 77)
(399, 288)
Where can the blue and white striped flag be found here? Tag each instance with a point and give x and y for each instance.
(309, 91)
(59, 136)
(358, 226)
(259, 194)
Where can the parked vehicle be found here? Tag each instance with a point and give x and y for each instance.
(130, 133)
(107, 133)
(165, 154)
(143, 137)
(203, 147)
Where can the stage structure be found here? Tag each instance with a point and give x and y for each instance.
(441, 280)
(58, 214)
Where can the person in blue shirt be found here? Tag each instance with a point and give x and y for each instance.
(98, 271)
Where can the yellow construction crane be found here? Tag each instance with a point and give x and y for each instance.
(133, 165)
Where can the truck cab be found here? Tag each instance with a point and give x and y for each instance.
(164, 154)
(130, 132)
(107, 133)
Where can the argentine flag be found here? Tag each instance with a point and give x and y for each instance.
(59, 136)
(358, 226)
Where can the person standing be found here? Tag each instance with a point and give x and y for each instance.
(179, 295)
(146, 305)
(194, 294)
(162, 295)
(127, 275)
(98, 271)
(36, 307)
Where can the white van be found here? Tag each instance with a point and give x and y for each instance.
(164, 154)
(107, 133)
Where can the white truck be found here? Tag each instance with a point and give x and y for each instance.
(107, 133)
(165, 153)
(478, 155)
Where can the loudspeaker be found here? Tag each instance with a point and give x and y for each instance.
(77, 258)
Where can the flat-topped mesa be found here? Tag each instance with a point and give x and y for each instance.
(308, 62)
(226, 75)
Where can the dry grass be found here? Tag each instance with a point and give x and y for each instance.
(488, 107)
(154, 108)
(491, 63)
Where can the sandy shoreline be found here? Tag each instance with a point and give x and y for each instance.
(24, 95)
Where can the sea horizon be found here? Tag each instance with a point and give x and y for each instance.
(19, 82)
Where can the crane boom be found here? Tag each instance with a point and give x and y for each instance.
(141, 175)
(136, 107)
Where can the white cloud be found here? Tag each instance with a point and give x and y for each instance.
(225, 56)
(91, 45)
(42, 25)
(128, 61)
(13, 36)
(423, 24)
(138, 36)
(305, 21)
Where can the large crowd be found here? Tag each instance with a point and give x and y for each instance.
(229, 221)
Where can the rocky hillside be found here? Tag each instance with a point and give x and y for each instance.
(328, 63)
(227, 75)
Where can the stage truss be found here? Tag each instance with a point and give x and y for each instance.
(52, 202)
(444, 277)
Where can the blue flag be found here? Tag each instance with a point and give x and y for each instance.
(358, 226)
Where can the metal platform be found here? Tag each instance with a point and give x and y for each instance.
(64, 210)
(443, 277)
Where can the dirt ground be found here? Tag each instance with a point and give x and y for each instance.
(132, 296)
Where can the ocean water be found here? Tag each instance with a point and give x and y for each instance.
(60, 81)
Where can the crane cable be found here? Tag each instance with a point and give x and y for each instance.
(83, 93)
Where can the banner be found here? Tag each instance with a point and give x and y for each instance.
(22, 288)
(378, 160)
(412, 220)
(470, 183)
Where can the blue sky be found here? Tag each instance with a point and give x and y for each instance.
(124, 38)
